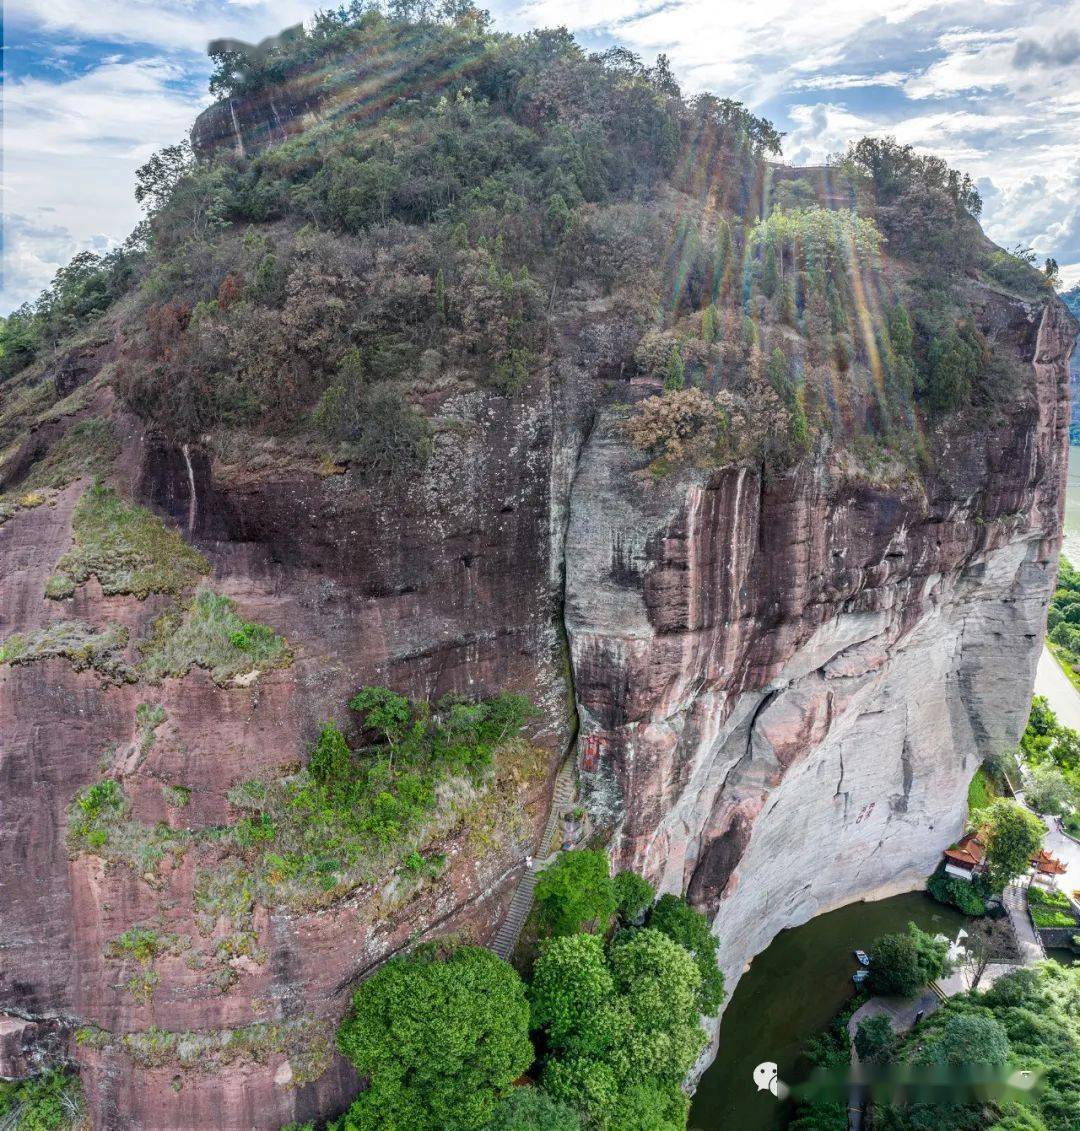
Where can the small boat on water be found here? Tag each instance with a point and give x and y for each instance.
(863, 957)
(860, 976)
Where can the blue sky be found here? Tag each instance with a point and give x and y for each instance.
(93, 87)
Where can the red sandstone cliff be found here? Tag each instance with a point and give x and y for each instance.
(791, 677)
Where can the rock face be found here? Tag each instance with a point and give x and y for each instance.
(794, 681)
(430, 591)
(789, 681)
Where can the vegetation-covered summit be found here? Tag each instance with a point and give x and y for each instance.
(436, 203)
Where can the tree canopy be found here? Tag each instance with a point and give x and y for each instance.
(1013, 836)
(440, 1038)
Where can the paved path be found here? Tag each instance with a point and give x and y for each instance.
(1015, 900)
(901, 1012)
(1052, 682)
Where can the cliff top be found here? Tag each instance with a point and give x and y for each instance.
(378, 212)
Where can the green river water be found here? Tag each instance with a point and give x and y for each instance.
(792, 990)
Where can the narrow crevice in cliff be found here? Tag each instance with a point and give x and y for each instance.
(560, 598)
(766, 699)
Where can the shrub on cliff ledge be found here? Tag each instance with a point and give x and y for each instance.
(50, 1102)
(674, 424)
(440, 1038)
(82, 645)
(352, 814)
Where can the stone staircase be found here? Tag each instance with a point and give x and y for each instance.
(506, 938)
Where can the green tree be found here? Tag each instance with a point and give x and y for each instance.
(901, 333)
(385, 712)
(770, 270)
(570, 991)
(633, 896)
(1012, 836)
(659, 982)
(576, 893)
(51, 1101)
(1049, 791)
(708, 325)
(440, 296)
(621, 1030)
(651, 1106)
(532, 1109)
(158, 178)
(894, 965)
(788, 311)
(690, 929)
(675, 374)
(874, 1037)
(932, 954)
(969, 1039)
(331, 758)
(440, 1038)
(955, 362)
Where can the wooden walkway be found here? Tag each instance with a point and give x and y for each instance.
(506, 938)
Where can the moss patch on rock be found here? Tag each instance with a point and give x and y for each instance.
(305, 1041)
(99, 822)
(128, 549)
(76, 641)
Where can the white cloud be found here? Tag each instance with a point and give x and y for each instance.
(848, 82)
(70, 153)
(166, 24)
(821, 129)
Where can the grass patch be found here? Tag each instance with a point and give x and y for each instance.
(981, 791)
(99, 822)
(128, 549)
(50, 1102)
(176, 796)
(305, 1041)
(144, 945)
(1050, 908)
(148, 717)
(82, 645)
(349, 816)
(211, 634)
(88, 448)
